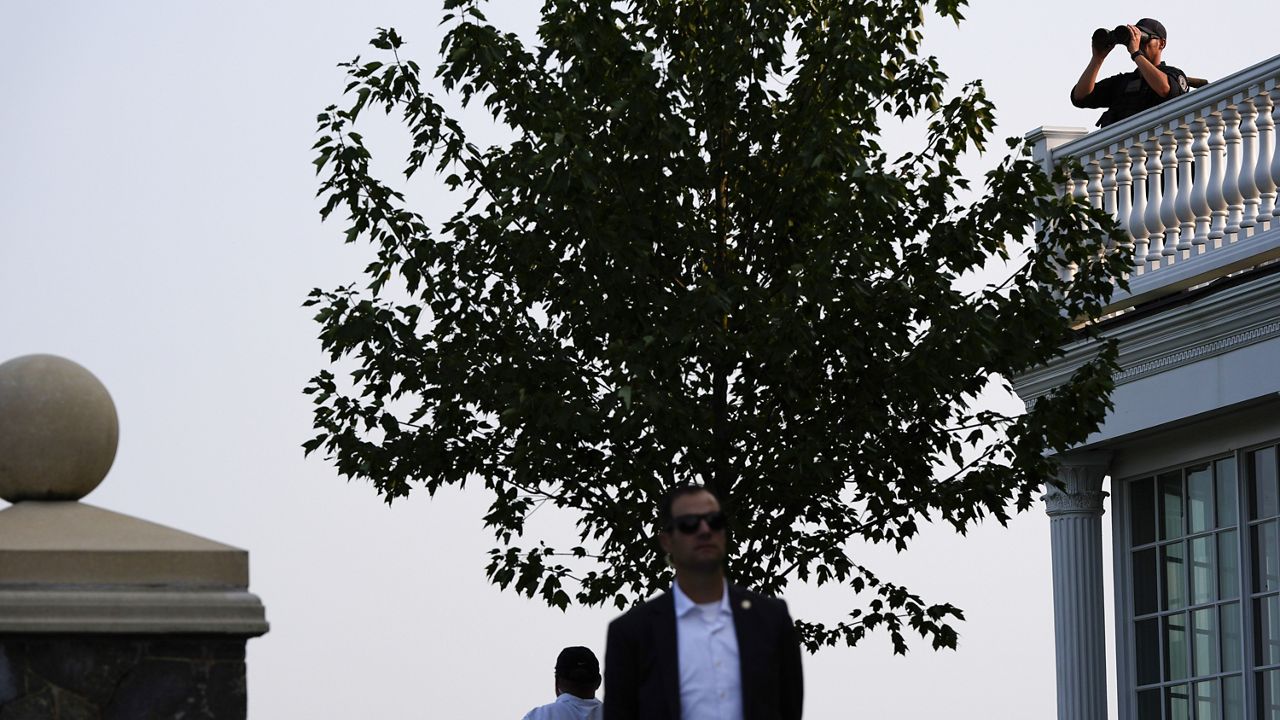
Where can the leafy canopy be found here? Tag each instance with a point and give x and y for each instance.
(694, 262)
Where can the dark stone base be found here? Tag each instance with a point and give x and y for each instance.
(112, 677)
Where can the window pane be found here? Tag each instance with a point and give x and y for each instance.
(1175, 576)
(1175, 645)
(1262, 481)
(1225, 476)
(1170, 506)
(1149, 704)
(1177, 704)
(1266, 558)
(1233, 698)
(1142, 512)
(1207, 700)
(1147, 646)
(1199, 499)
(1230, 626)
(1202, 552)
(1145, 585)
(1269, 695)
(1204, 642)
(1228, 566)
(1267, 630)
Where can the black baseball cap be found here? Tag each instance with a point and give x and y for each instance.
(1155, 27)
(578, 664)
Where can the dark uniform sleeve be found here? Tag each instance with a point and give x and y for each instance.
(1104, 93)
(621, 701)
(791, 701)
(1177, 81)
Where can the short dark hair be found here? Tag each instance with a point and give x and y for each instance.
(584, 690)
(669, 499)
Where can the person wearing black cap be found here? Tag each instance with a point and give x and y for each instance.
(577, 678)
(707, 649)
(1149, 84)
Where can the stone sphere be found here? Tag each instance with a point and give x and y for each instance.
(58, 429)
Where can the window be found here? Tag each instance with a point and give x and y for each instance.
(1190, 608)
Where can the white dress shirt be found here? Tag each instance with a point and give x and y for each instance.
(710, 676)
(568, 707)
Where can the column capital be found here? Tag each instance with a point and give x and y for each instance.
(1080, 476)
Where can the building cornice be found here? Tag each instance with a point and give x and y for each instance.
(1215, 324)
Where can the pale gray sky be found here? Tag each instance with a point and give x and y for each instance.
(158, 225)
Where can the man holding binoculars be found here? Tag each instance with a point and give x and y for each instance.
(1149, 84)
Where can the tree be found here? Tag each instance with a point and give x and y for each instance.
(693, 261)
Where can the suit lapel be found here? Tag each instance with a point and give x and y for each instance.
(746, 629)
(668, 655)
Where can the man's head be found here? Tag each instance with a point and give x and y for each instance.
(692, 529)
(577, 672)
(1154, 47)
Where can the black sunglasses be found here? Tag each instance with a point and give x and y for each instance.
(689, 524)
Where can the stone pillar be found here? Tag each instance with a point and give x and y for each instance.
(1044, 140)
(103, 615)
(1079, 628)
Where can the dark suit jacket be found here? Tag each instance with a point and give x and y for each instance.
(642, 682)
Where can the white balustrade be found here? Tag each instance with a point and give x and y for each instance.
(1093, 188)
(1274, 91)
(1193, 181)
(1248, 162)
(1168, 206)
(1107, 170)
(1137, 216)
(1266, 149)
(1182, 206)
(1124, 192)
(1218, 171)
(1231, 183)
(1155, 198)
(1199, 191)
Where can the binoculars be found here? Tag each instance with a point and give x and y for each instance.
(1104, 39)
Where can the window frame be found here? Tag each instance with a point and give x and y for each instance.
(1122, 585)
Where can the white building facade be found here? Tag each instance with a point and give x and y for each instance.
(1187, 459)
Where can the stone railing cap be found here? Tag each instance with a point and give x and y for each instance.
(58, 429)
(71, 543)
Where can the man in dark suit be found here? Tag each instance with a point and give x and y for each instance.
(705, 650)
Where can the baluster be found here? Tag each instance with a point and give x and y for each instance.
(1138, 215)
(1275, 157)
(1155, 199)
(1067, 189)
(1231, 183)
(1180, 153)
(1217, 175)
(1123, 193)
(1200, 186)
(1248, 163)
(1094, 186)
(1080, 187)
(1107, 164)
(1266, 152)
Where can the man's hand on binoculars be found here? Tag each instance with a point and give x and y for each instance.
(1135, 39)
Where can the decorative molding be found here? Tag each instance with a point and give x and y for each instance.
(1081, 503)
(1080, 477)
(126, 610)
(1214, 324)
(1200, 352)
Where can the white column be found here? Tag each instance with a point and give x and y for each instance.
(1079, 628)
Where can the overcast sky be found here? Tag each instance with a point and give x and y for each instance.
(158, 225)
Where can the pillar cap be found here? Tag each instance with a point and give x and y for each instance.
(73, 543)
(69, 567)
(58, 429)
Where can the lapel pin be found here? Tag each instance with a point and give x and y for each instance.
(746, 604)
